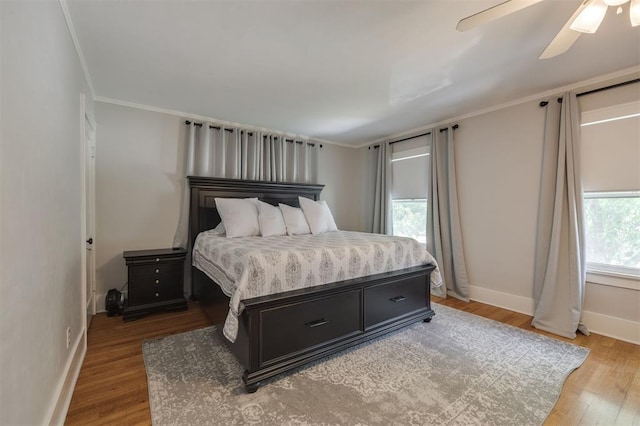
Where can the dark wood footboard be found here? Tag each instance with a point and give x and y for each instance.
(281, 332)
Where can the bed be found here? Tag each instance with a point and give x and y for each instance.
(275, 333)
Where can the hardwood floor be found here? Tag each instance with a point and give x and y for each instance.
(112, 386)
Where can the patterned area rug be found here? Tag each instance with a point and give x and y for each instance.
(458, 369)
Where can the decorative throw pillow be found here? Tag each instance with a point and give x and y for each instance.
(270, 220)
(294, 220)
(318, 215)
(239, 216)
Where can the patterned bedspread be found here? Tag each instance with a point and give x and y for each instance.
(257, 266)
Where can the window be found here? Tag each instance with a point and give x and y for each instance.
(410, 180)
(410, 219)
(611, 178)
(612, 227)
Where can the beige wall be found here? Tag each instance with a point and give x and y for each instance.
(139, 175)
(498, 165)
(41, 249)
(498, 161)
(139, 169)
(340, 170)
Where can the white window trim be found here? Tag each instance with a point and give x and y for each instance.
(613, 279)
(612, 194)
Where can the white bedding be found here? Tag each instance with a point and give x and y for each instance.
(249, 267)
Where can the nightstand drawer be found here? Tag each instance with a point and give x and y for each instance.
(157, 270)
(150, 289)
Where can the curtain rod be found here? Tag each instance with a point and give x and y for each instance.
(284, 139)
(301, 142)
(249, 133)
(601, 89)
(411, 137)
(613, 86)
(210, 126)
(455, 126)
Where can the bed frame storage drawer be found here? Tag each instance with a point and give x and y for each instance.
(290, 329)
(392, 300)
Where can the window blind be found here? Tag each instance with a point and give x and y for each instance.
(610, 135)
(410, 169)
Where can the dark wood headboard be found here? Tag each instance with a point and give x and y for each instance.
(204, 215)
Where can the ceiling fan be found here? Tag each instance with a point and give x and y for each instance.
(586, 19)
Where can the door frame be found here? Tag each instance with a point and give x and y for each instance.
(88, 301)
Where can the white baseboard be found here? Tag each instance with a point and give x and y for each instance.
(64, 391)
(90, 303)
(617, 328)
(100, 298)
(512, 302)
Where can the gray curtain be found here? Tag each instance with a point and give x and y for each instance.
(560, 273)
(382, 221)
(242, 154)
(444, 233)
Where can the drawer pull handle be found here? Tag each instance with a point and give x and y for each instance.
(398, 299)
(157, 281)
(157, 259)
(157, 294)
(157, 271)
(317, 323)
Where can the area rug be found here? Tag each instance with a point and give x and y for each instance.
(458, 369)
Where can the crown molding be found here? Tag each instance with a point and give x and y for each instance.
(76, 44)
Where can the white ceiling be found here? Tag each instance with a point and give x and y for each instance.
(343, 71)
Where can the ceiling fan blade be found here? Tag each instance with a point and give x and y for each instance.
(493, 13)
(561, 43)
(566, 37)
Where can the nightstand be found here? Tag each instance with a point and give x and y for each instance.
(155, 281)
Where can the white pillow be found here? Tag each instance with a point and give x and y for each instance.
(218, 230)
(270, 220)
(294, 220)
(318, 215)
(239, 216)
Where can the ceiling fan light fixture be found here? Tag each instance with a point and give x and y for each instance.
(634, 13)
(590, 18)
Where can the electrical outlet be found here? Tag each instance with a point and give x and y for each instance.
(68, 337)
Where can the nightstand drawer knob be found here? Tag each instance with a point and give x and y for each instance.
(157, 259)
(157, 281)
(157, 294)
(157, 271)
